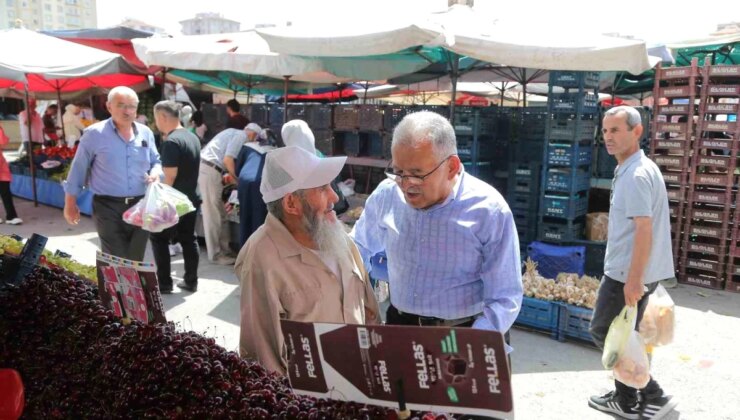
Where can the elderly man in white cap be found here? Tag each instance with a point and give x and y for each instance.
(300, 265)
(217, 166)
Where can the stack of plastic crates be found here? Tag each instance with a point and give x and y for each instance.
(477, 145)
(566, 168)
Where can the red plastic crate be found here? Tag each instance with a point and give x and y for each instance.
(702, 281)
(723, 71)
(723, 91)
(346, 117)
(672, 109)
(672, 73)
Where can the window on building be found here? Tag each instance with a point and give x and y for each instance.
(71, 1)
(60, 19)
(10, 3)
(60, 9)
(73, 20)
(24, 4)
(47, 7)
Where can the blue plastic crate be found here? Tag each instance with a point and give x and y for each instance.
(575, 154)
(374, 141)
(539, 314)
(533, 125)
(559, 231)
(276, 114)
(574, 322)
(349, 142)
(570, 181)
(574, 79)
(525, 202)
(604, 164)
(572, 130)
(555, 259)
(297, 112)
(258, 113)
(577, 103)
(526, 151)
(564, 206)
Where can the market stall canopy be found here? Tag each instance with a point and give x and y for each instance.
(116, 40)
(227, 82)
(719, 49)
(53, 67)
(466, 33)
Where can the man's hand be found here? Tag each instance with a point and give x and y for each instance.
(633, 291)
(72, 213)
(152, 178)
(227, 179)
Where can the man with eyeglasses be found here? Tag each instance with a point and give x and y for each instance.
(638, 254)
(450, 238)
(120, 159)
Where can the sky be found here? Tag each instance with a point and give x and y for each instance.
(655, 21)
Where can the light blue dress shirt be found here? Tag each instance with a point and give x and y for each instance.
(116, 167)
(456, 259)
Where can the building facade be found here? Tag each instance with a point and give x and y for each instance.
(49, 15)
(209, 23)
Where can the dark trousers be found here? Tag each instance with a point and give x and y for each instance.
(609, 303)
(116, 236)
(183, 232)
(394, 317)
(7, 200)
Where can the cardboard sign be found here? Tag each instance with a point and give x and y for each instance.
(129, 288)
(440, 369)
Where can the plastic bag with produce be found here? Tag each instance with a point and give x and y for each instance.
(160, 208)
(633, 366)
(659, 321)
(618, 336)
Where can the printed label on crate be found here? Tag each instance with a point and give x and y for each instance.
(672, 127)
(716, 144)
(722, 108)
(736, 270)
(700, 247)
(129, 288)
(702, 265)
(673, 177)
(678, 72)
(706, 231)
(712, 179)
(674, 194)
(713, 161)
(669, 161)
(442, 369)
(719, 126)
(724, 70)
(707, 215)
(674, 109)
(707, 197)
(724, 90)
(669, 144)
(701, 281)
(672, 92)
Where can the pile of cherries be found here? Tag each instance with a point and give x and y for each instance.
(78, 360)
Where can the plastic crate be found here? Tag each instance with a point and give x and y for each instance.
(438, 109)
(539, 314)
(297, 112)
(374, 143)
(348, 143)
(393, 115)
(258, 113)
(574, 79)
(567, 180)
(575, 154)
(276, 114)
(555, 259)
(574, 322)
(370, 117)
(387, 143)
(465, 120)
(324, 141)
(573, 103)
(319, 116)
(523, 202)
(346, 117)
(526, 151)
(565, 207)
(560, 231)
(572, 130)
(595, 253)
(524, 178)
(605, 164)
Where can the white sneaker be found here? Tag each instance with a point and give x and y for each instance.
(16, 221)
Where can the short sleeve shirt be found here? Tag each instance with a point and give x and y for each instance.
(182, 151)
(638, 190)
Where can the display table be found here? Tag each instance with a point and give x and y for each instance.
(48, 192)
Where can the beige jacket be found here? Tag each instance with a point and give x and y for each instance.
(281, 279)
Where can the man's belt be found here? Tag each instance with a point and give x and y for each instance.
(124, 200)
(213, 165)
(432, 321)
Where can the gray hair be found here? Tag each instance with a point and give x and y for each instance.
(169, 108)
(426, 126)
(123, 91)
(633, 117)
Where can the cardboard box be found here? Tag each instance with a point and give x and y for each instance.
(597, 226)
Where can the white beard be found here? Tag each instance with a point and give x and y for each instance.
(328, 235)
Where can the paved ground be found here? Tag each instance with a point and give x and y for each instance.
(552, 380)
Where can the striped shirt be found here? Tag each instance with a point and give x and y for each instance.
(456, 259)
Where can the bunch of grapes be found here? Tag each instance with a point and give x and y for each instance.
(78, 360)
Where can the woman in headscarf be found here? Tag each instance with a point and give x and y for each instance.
(73, 126)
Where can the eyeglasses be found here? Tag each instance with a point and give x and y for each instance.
(412, 179)
(127, 107)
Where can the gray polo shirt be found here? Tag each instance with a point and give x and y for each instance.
(638, 189)
(226, 143)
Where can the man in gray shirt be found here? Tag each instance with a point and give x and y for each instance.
(638, 254)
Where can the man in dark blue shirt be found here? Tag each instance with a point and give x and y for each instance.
(180, 162)
(120, 158)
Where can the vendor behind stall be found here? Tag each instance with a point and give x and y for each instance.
(450, 238)
(300, 265)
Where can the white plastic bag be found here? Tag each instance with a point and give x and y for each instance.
(160, 208)
(659, 321)
(347, 187)
(633, 366)
(618, 336)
